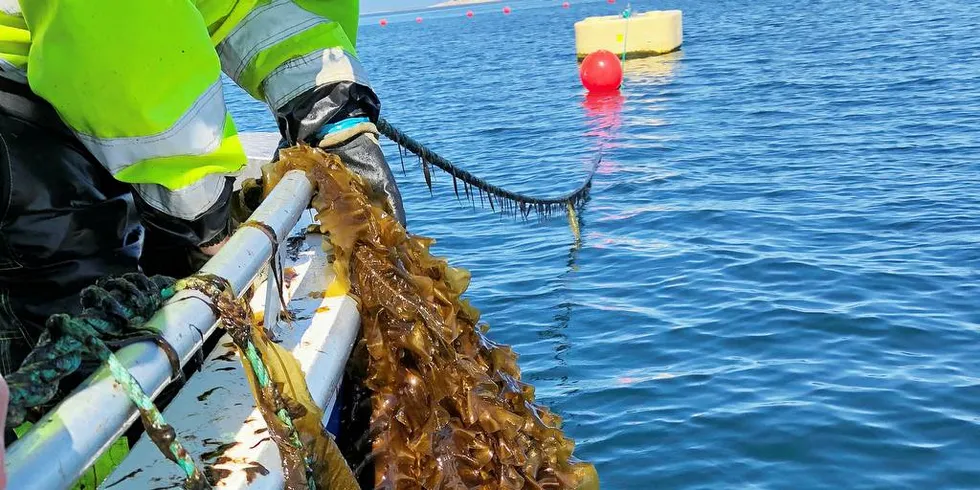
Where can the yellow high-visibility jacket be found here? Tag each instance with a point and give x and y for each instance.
(138, 81)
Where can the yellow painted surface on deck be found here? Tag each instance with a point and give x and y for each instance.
(647, 33)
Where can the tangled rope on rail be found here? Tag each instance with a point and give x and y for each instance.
(497, 197)
(114, 312)
(310, 458)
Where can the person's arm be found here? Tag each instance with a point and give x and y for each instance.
(299, 57)
(139, 84)
(280, 51)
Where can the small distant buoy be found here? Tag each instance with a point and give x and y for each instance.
(418, 20)
(610, 2)
(383, 22)
(601, 72)
(506, 10)
(469, 13)
(566, 5)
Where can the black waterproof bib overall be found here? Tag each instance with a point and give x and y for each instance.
(64, 221)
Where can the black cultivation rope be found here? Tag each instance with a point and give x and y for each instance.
(506, 201)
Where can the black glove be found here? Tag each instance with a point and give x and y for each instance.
(340, 119)
(363, 155)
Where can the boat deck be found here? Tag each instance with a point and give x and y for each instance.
(214, 413)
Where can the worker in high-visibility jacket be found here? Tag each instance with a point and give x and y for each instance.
(115, 140)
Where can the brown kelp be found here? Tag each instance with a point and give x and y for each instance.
(449, 408)
(309, 454)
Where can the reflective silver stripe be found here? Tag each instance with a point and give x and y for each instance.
(263, 28)
(187, 203)
(318, 68)
(198, 132)
(10, 7)
(10, 71)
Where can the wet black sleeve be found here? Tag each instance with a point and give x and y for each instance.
(171, 245)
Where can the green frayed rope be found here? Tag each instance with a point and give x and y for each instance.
(214, 287)
(162, 433)
(114, 311)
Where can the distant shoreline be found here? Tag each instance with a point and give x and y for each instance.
(443, 5)
(454, 3)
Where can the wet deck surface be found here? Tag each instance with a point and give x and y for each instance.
(214, 414)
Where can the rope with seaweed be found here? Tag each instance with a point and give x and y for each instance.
(113, 314)
(310, 457)
(115, 308)
(506, 200)
(449, 409)
(516, 441)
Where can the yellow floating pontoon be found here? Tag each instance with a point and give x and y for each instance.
(641, 34)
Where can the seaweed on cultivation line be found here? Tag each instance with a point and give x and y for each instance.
(448, 407)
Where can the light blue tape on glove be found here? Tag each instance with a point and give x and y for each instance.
(341, 126)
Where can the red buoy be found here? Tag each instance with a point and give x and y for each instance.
(418, 20)
(610, 2)
(383, 22)
(565, 5)
(601, 72)
(469, 13)
(506, 10)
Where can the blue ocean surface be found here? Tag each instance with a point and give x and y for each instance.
(778, 283)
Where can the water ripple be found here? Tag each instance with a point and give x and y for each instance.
(777, 282)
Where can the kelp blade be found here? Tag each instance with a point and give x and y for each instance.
(449, 408)
(283, 389)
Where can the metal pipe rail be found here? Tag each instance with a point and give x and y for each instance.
(63, 444)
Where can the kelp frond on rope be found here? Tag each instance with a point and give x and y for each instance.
(497, 197)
